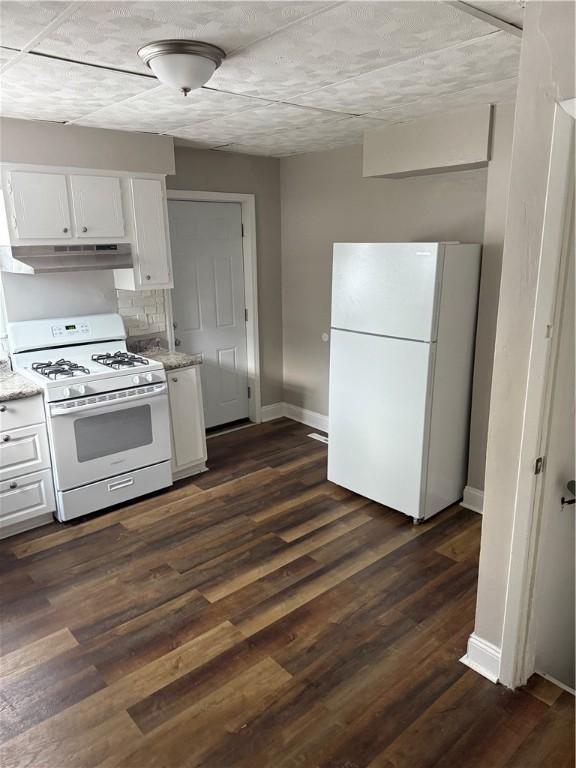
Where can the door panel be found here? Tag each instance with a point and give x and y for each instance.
(386, 288)
(555, 595)
(377, 412)
(40, 205)
(208, 301)
(97, 204)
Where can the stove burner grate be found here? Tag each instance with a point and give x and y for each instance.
(119, 360)
(60, 368)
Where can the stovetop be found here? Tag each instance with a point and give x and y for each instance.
(103, 363)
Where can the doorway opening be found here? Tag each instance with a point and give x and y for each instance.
(213, 309)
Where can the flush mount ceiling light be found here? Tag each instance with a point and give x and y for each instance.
(183, 64)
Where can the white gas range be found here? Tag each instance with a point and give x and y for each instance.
(106, 410)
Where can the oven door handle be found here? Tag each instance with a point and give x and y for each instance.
(59, 410)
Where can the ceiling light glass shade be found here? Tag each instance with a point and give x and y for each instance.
(182, 64)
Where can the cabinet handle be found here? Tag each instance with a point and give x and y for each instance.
(65, 229)
(84, 229)
(13, 485)
(174, 379)
(2, 409)
(148, 277)
(5, 438)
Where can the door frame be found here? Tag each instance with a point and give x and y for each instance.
(517, 659)
(248, 213)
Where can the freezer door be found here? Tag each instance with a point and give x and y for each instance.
(389, 289)
(378, 417)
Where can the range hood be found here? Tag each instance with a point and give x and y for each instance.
(41, 259)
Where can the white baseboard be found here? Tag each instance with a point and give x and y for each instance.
(303, 415)
(271, 412)
(473, 499)
(483, 657)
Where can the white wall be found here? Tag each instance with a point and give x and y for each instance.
(493, 244)
(546, 75)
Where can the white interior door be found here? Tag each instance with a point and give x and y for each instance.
(209, 303)
(555, 597)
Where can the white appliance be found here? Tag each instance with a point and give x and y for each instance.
(106, 410)
(401, 360)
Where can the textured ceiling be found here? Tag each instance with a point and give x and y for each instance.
(298, 77)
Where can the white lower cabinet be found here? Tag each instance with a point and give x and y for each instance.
(26, 502)
(187, 418)
(26, 487)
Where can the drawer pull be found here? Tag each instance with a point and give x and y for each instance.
(121, 484)
(2, 409)
(5, 438)
(13, 485)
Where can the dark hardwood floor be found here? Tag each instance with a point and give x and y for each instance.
(258, 616)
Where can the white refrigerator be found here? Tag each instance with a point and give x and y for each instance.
(401, 361)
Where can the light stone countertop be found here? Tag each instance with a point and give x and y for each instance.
(14, 386)
(172, 360)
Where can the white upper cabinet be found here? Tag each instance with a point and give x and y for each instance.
(40, 205)
(97, 206)
(152, 255)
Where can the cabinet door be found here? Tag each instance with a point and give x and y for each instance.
(97, 206)
(25, 502)
(40, 202)
(152, 268)
(23, 450)
(188, 433)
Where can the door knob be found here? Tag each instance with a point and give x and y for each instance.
(571, 485)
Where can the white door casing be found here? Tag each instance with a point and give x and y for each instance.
(554, 589)
(209, 301)
(517, 653)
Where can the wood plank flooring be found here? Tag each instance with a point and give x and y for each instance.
(257, 616)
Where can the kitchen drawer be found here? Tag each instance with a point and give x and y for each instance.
(25, 501)
(23, 451)
(115, 490)
(21, 413)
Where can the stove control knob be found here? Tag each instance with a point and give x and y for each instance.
(136, 379)
(80, 389)
(66, 392)
(149, 378)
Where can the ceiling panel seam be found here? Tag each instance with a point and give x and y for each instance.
(401, 62)
(289, 24)
(54, 24)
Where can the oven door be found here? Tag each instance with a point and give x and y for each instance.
(94, 438)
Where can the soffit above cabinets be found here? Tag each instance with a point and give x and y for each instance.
(298, 77)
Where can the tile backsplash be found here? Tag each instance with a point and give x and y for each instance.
(144, 312)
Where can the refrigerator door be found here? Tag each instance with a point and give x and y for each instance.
(389, 289)
(378, 417)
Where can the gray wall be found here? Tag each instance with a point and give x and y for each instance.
(211, 171)
(546, 75)
(493, 245)
(39, 143)
(325, 199)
